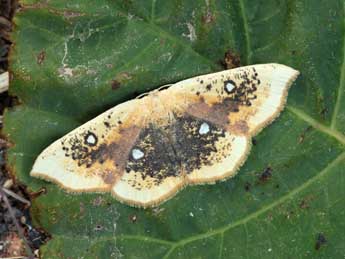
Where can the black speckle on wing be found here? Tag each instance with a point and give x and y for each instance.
(175, 149)
(159, 160)
(195, 149)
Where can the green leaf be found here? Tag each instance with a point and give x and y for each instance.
(69, 55)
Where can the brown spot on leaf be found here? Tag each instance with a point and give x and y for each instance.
(231, 60)
(265, 175)
(133, 218)
(304, 204)
(320, 241)
(98, 201)
(120, 79)
(208, 17)
(303, 134)
(115, 84)
(247, 186)
(41, 57)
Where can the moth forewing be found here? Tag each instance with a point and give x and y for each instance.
(197, 131)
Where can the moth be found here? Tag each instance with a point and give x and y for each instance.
(145, 150)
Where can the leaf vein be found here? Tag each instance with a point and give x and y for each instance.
(341, 88)
(246, 31)
(221, 243)
(317, 125)
(266, 208)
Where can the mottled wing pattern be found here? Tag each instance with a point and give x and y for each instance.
(145, 150)
(93, 156)
(153, 172)
(238, 102)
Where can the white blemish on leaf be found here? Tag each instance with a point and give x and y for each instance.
(191, 35)
(65, 72)
(82, 34)
(130, 16)
(166, 57)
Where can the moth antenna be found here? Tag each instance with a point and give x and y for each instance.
(163, 87)
(142, 95)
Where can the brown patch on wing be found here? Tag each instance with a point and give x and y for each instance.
(108, 159)
(217, 113)
(118, 151)
(240, 127)
(109, 177)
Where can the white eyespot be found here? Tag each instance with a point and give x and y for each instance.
(137, 154)
(229, 87)
(204, 128)
(90, 139)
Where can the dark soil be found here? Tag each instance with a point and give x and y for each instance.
(18, 238)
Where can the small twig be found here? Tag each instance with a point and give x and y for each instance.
(16, 196)
(4, 82)
(19, 229)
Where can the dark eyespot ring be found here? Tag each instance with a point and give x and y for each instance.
(90, 139)
(230, 86)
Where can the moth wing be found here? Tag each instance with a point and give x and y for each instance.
(260, 92)
(153, 173)
(231, 152)
(81, 160)
(145, 159)
(242, 101)
(149, 194)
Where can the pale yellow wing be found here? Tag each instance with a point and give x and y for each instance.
(258, 92)
(240, 101)
(145, 150)
(93, 156)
